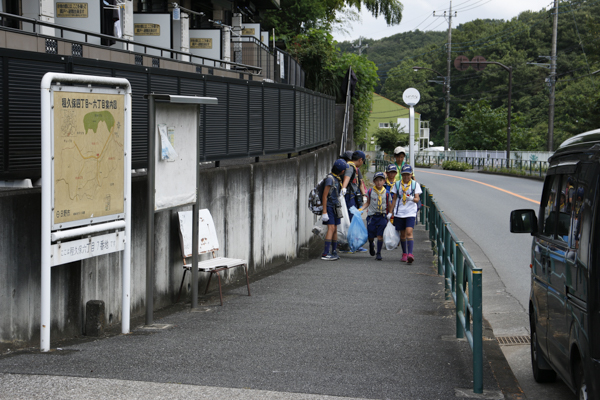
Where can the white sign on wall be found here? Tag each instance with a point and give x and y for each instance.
(206, 43)
(152, 29)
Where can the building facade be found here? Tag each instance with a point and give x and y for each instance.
(384, 113)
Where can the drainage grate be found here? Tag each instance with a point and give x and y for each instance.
(512, 340)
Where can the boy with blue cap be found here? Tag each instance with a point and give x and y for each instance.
(332, 212)
(391, 171)
(378, 204)
(404, 210)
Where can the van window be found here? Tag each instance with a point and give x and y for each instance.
(565, 203)
(548, 207)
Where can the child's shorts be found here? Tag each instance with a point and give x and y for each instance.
(403, 223)
(332, 218)
(376, 225)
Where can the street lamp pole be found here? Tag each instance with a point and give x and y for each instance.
(447, 94)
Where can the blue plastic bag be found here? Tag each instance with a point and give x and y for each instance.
(357, 233)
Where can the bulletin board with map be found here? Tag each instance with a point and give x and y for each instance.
(88, 169)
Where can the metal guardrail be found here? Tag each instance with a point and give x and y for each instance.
(463, 281)
(525, 167)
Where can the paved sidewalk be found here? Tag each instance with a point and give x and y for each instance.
(353, 328)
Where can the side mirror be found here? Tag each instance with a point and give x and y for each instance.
(523, 221)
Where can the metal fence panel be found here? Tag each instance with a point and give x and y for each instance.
(256, 120)
(287, 119)
(24, 104)
(139, 116)
(217, 119)
(237, 135)
(271, 118)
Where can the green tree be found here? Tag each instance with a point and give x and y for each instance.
(387, 139)
(325, 69)
(482, 127)
(299, 16)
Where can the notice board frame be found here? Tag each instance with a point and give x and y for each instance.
(117, 228)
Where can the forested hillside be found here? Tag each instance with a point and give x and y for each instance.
(478, 106)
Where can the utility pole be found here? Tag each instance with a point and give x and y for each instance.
(360, 47)
(552, 80)
(447, 127)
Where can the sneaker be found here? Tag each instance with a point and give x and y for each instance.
(361, 250)
(404, 257)
(410, 258)
(378, 257)
(335, 255)
(372, 248)
(328, 257)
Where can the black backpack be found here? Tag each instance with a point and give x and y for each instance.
(315, 197)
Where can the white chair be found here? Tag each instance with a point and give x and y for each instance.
(207, 243)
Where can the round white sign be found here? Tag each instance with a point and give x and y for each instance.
(411, 96)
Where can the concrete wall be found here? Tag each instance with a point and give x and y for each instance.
(260, 212)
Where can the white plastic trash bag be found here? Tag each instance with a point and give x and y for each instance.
(391, 237)
(344, 225)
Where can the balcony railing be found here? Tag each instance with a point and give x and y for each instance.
(32, 26)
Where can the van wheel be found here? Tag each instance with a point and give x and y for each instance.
(580, 382)
(540, 375)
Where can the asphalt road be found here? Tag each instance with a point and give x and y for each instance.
(479, 206)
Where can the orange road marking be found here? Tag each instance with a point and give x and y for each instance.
(481, 183)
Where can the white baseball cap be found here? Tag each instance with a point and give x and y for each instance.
(399, 150)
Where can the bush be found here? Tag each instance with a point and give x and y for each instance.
(456, 166)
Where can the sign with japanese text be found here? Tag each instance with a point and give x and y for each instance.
(146, 30)
(75, 250)
(201, 43)
(71, 10)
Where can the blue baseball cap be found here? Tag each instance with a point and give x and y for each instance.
(378, 175)
(357, 155)
(407, 169)
(391, 168)
(339, 166)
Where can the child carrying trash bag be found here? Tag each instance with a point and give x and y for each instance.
(404, 209)
(332, 209)
(377, 206)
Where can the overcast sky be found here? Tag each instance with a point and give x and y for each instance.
(418, 14)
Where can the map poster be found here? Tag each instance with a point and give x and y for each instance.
(89, 147)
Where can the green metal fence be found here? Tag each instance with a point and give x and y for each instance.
(462, 280)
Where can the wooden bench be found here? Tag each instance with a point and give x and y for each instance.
(207, 243)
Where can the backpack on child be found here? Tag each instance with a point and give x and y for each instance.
(315, 197)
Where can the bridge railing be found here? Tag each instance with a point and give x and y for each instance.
(463, 280)
(523, 167)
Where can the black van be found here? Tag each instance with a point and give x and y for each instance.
(564, 305)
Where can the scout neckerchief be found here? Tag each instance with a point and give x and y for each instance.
(390, 184)
(379, 197)
(337, 177)
(405, 189)
(399, 167)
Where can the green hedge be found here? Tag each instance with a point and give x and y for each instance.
(456, 166)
